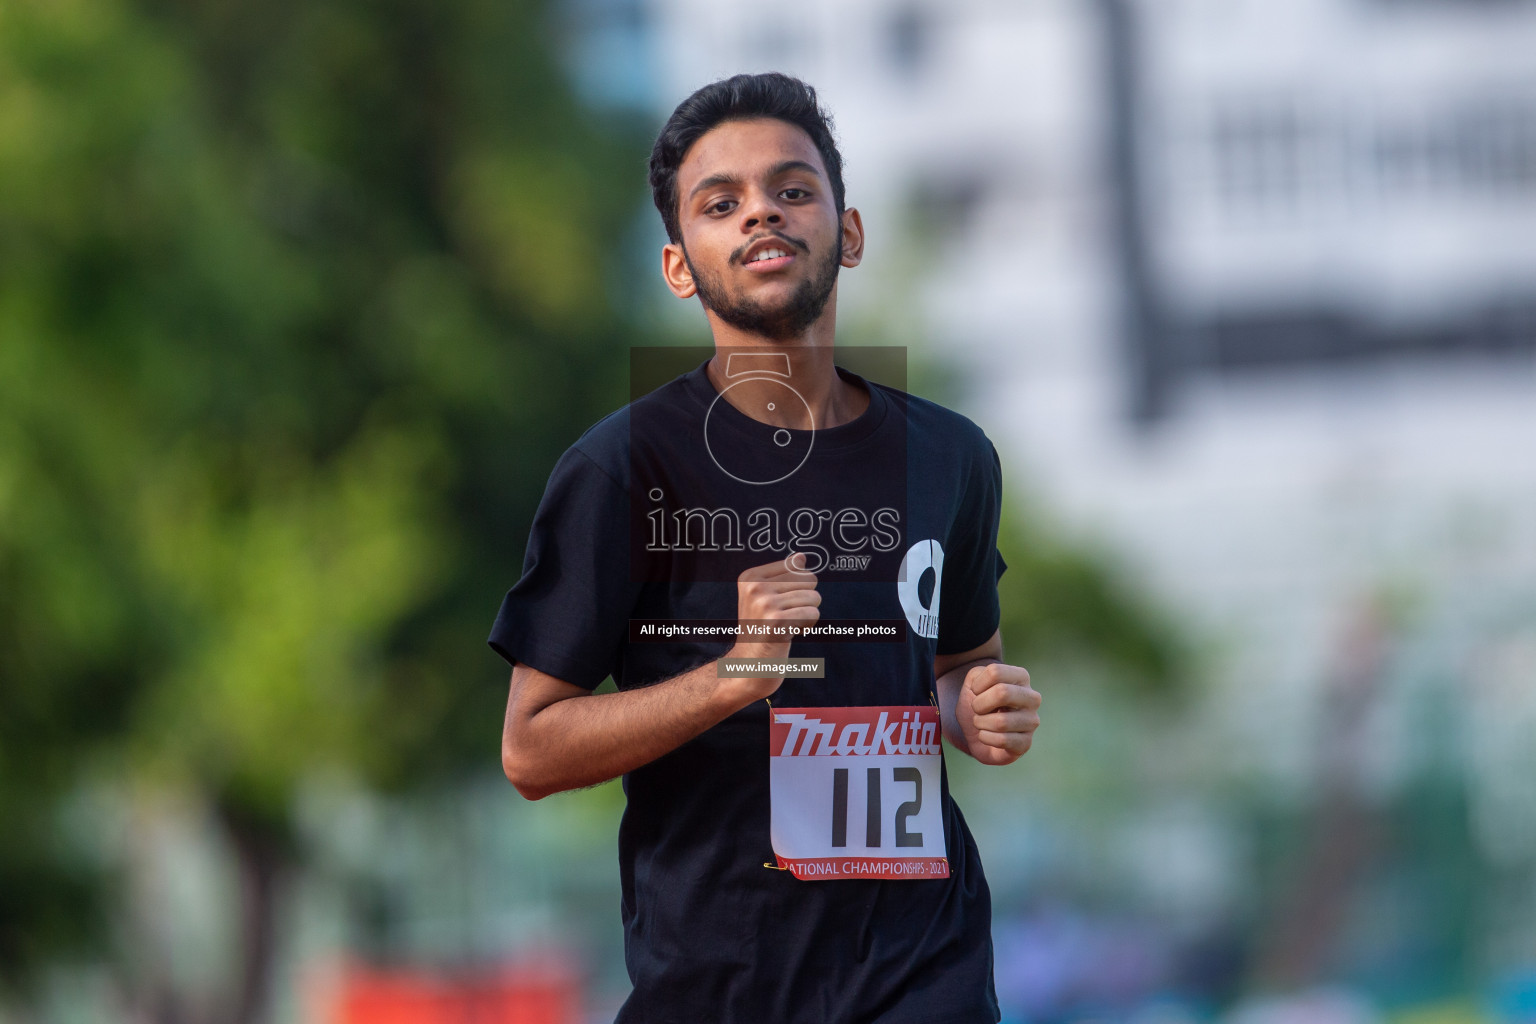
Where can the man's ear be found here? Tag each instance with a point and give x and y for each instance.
(674, 267)
(853, 237)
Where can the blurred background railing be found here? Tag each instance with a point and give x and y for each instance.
(299, 302)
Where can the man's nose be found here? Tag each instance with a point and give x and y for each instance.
(761, 209)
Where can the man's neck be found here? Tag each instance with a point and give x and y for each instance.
(751, 372)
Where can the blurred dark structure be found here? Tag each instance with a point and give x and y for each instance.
(1321, 192)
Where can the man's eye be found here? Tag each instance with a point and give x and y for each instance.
(720, 206)
(794, 193)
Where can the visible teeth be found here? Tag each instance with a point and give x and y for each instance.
(768, 254)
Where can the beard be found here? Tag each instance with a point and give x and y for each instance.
(789, 320)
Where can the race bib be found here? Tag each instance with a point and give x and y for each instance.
(856, 792)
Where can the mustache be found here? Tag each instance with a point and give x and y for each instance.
(795, 243)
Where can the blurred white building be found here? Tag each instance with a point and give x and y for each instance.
(1244, 288)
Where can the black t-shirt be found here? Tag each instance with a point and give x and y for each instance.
(710, 932)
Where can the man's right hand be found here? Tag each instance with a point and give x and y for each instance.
(781, 592)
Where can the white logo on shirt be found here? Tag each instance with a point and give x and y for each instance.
(920, 557)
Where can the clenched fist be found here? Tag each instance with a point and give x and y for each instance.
(779, 592)
(998, 713)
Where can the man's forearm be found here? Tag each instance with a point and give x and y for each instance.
(948, 686)
(590, 738)
(558, 736)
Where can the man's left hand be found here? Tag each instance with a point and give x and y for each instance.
(998, 713)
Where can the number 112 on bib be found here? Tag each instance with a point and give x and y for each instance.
(856, 792)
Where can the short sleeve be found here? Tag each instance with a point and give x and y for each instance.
(568, 615)
(968, 607)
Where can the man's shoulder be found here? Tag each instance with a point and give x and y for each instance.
(928, 421)
(606, 444)
(601, 449)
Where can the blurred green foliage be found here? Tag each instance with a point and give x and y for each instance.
(1066, 604)
(298, 303)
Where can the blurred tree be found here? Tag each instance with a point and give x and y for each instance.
(1064, 603)
(298, 302)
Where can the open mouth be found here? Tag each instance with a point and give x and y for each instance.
(770, 253)
(769, 258)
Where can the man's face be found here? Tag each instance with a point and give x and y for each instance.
(762, 241)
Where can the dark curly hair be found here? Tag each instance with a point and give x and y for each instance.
(739, 97)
